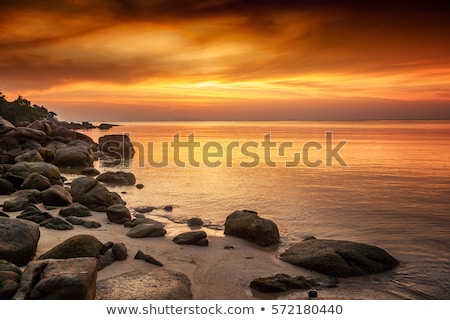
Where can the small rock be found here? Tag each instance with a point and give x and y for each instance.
(89, 224)
(2, 214)
(168, 208)
(90, 172)
(194, 222)
(145, 209)
(140, 186)
(120, 251)
(34, 214)
(14, 205)
(147, 230)
(76, 209)
(147, 258)
(56, 223)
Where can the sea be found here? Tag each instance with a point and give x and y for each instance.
(384, 183)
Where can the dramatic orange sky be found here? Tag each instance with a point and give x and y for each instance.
(128, 60)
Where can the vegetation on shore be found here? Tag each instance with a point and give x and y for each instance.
(21, 110)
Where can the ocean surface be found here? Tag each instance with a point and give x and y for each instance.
(385, 183)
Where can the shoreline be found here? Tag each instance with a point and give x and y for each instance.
(215, 273)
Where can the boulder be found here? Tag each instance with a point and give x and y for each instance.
(145, 209)
(17, 204)
(30, 156)
(32, 195)
(147, 230)
(4, 215)
(25, 134)
(36, 181)
(6, 187)
(56, 196)
(9, 279)
(193, 237)
(74, 156)
(18, 240)
(248, 225)
(339, 258)
(24, 169)
(283, 282)
(75, 210)
(194, 222)
(92, 194)
(117, 178)
(120, 251)
(116, 145)
(135, 222)
(71, 279)
(153, 284)
(81, 245)
(5, 126)
(14, 179)
(7, 144)
(56, 223)
(34, 214)
(118, 214)
(147, 258)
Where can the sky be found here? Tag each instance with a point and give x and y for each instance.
(150, 60)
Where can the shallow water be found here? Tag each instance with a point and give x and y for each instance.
(393, 192)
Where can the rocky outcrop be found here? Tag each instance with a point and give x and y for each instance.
(92, 194)
(339, 258)
(24, 169)
(197, 238)
(18, 240)
(71, 279)
(248, 225)
(119, 178)
(153, 284)
(116, 145)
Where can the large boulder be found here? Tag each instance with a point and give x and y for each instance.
(36, 181)
(25, 134)
(18, 240)
(92, 194)
(56, 196)
(74, 156)
(81, 245)
(248, 225)
(339, 258)
(153, 284)
(9, 279)
(71, 279)
(116, 145)
(144, 230)
(24, 169)
(29, 156)
(117, 178)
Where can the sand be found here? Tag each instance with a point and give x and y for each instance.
(215, 273)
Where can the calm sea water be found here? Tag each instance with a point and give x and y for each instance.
(391, 188)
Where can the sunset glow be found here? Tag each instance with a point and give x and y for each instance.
(171, 60)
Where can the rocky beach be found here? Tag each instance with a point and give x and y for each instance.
(68, 232)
